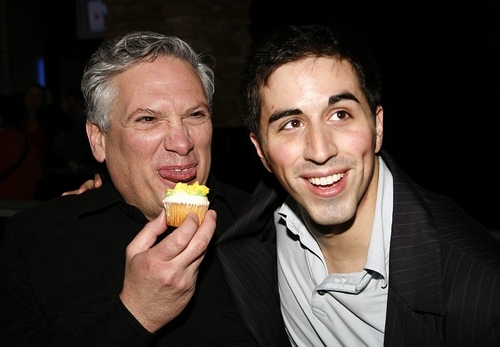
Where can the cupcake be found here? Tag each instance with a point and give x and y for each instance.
(184, 199)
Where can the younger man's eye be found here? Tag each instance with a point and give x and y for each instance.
(340, 115)
(294, 123)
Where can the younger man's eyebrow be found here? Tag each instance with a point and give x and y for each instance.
(333, 99)
(283, 113)
(343, 96)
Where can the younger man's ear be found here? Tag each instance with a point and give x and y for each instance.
(260, 152)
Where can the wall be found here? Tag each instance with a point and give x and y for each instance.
(30, 29)
(219, 27)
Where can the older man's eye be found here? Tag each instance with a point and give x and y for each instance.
(200, 114)
(146, 119)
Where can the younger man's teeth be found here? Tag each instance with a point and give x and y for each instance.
(324, 181)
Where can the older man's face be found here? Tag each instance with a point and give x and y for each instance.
(161, 132)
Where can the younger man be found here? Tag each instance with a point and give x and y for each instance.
(366, 257)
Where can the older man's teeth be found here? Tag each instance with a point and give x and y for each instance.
(327, 180)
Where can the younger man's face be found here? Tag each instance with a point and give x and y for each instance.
(320, 139)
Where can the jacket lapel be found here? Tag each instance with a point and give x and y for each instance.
(247, 253)
(415, 274)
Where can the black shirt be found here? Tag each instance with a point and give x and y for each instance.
(62, 267)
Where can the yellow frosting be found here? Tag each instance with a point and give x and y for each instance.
(190, 189)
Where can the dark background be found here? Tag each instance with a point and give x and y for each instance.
(440, 67)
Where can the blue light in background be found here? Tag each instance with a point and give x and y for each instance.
(41, 71)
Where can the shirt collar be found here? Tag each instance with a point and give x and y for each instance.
(104, 198)
(378, 251)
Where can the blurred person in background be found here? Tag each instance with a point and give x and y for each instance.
(20, 163)
(71, 145)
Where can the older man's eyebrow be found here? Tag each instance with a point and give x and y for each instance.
(147, 111)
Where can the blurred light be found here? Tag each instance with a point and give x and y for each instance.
(40, 67)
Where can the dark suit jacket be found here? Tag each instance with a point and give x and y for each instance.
(444, 272)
